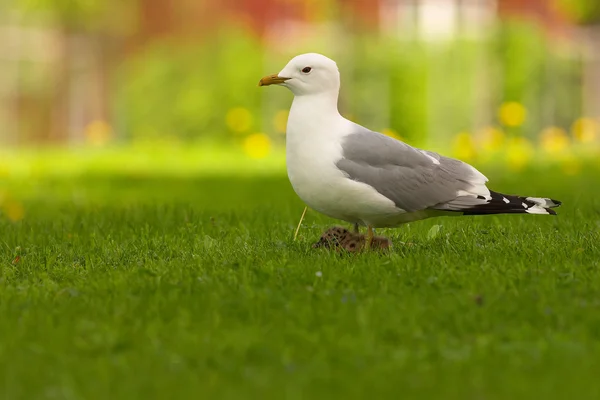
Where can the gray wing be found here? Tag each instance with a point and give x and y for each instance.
(413, 179)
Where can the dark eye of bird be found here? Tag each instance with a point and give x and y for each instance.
(306, 70)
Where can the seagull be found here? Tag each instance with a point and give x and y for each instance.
(351, 173)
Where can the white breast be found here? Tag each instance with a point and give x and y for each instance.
(313, 147)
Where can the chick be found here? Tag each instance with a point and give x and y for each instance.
(339, 238)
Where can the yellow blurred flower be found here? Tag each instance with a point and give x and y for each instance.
(519, 152)
(257, 145)
(391, 133)
(490, 138)
(554, 140)
(464, 146)
(239, 119)
(512, 114)
(98, 132)
(585, 130)
(13, 210)
(280, 121)
(571, 165)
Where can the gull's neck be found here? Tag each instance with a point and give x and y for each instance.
(314, 115)
(324, 101)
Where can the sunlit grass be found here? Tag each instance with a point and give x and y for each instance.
(144, 158)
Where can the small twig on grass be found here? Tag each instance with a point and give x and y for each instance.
(300, 223)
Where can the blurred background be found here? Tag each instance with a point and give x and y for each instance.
(172, 85)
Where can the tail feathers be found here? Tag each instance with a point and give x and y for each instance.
(507, 204)
(544, 202)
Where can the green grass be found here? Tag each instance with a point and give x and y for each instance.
(158, 288)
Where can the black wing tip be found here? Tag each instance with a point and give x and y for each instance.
(510, 204)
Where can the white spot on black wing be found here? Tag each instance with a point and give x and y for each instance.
(508, 204)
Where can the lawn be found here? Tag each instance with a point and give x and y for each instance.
(127, 286)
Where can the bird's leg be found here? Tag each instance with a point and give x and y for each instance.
(369, 237)
(356, 228)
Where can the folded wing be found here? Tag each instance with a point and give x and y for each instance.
(413, 179)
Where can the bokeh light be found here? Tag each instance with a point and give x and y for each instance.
(98, 133)
(586, 130)
(512, 114)
(464, 147)
(490, 139)
(239, 119)
(554, 140)
(519, 152)
(257, 145)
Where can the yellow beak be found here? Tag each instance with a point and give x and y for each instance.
(272, 80)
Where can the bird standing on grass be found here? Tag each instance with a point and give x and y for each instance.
(349, 172)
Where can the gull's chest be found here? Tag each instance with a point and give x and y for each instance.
(311, 165)
(312, 170)
(314, 146)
